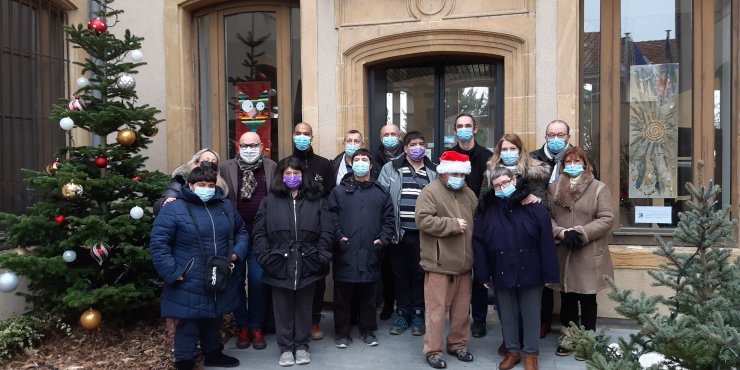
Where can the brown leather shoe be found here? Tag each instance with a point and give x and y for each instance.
(258, 339)
(243, 340)
(530, 362)
(511, 359)
(502, 351)
(545, 328)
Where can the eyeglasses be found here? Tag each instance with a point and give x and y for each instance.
(501, 185)
(249, 146)
(559, 136)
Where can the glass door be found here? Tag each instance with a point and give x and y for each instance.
(428, 97)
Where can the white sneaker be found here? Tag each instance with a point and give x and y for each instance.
(286, 359)
(302, 357)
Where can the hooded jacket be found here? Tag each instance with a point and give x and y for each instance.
(513, 243)
(179, 178)
(293, 239)
(318, 168)
(587, 208)
(176, 251)
(444, 247)
(362, 212)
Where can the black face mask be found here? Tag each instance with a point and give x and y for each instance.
(206, 165)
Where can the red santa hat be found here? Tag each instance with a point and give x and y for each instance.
(453, 162)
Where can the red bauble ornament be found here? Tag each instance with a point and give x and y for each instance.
(51, 169)
(97, 25)
(77, 104)
(101, 162)
(136, 178)
(59, 219)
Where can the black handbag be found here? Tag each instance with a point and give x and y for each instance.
(218, 268)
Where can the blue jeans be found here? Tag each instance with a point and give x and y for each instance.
(251, 314)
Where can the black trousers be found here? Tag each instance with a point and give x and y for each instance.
(318, 301)
(387, 278)
(548, 303)
(189, 332)
(293, 317)
(409, 275)
(343, 298)
(569, 303)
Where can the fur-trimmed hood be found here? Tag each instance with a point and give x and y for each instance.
(537, 171)
(180, 175)
(564, 195)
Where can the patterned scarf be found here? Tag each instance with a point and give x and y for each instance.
(249, 182)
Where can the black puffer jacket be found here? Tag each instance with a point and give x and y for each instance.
(292, 240)
(362, 212)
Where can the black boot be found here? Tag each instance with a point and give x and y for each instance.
(185, 365)
(219, 359)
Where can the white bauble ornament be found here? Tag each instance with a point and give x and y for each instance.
(136, 213)
(66, 123)
(82, 82)
(8, 281)
(136, 55)
(126, 81)
(69, 256)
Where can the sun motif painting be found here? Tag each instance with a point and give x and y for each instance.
(653, 135)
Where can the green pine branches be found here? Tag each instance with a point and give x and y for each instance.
(702, 327)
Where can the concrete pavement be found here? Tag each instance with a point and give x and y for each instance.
(403, 352)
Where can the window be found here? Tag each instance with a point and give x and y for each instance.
(248, 63)
(427, 98)
(33, 71)
(641, 67)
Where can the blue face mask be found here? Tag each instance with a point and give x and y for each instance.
(205, 194)
(361, 168)
(302, 142)
(573, 170)
(506, 192)
(456, 182)
(465, 134)
(556, 145)
(390, 142)
(350, 149)
(509, 158)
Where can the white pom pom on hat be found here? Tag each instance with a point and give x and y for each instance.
(453, 162)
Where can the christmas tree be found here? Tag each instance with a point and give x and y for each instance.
(87, 236)
(700, 329)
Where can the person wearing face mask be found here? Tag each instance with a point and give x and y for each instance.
(404, 178)
(582, 216)
(511, 153)
(390, 146)
(444, 216)
(293, 234)
(249, 177)
(364, 223)
(199, 224)
(342, 163)
(319, 170)
(514, 247)
(204, 157)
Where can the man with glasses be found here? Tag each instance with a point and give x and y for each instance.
(557, 135)
(248, 177)
(404, 178)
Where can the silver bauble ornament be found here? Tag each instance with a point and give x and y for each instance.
(82, 82)
(69, 256)
(126, 81)
(66, 123)
(136, 212)
(136, 55)
(8, 281)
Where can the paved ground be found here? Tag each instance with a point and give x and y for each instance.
(403, 352)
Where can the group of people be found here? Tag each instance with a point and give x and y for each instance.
(432, 237)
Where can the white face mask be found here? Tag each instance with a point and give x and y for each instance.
(250, 155)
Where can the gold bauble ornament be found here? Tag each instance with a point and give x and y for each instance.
(126, 136)
(71, 190)
(151, 131)
(91, 319)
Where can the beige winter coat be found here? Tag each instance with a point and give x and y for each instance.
(445, 249)
(587, 208)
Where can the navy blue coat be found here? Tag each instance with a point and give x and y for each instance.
(176, 252)
(292, 240)
(362, 212)
(513, 244)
